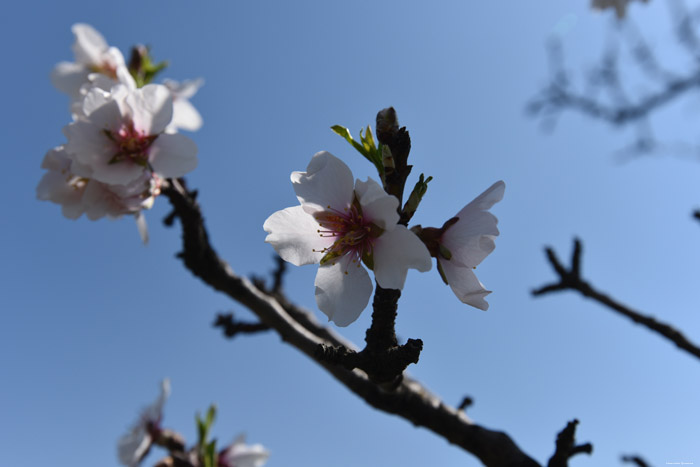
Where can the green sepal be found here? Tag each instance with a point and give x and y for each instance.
(367, 146)
(142, 68)
(416, 196)
(209, 457)
(203, 429)
(368, 260)
(445, 253)
(329, 257)
(442, 273)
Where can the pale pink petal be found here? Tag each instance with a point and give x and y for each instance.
(294, 235)
(377, 206)
(173, 155)
(465, 285)
(471, 239)
(89, 44)
(151, 108)
(326, 182)
(239, 454)
(395, 252)
(185, 116)
(342, 290)
(68, 77)
(102, 110)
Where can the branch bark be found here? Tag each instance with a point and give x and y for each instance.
(409, 399)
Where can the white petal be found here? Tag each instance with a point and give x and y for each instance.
(89, 44)
(294, 235)
(395, 252)
(185, 116)
(142, 227)
(378, 206)
(239, 454)
(173, 155)
(471, 239)
(342, 291)
(68, 77)
(152, 108)
(326, 182)
(133, 446)
(465, 285)
(101, 109)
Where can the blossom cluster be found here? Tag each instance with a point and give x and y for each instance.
(148, 431)
(343, 223)
(123, 140)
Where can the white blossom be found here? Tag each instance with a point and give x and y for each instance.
(185, 116)
(133, 446)
(341, 224)
(468, 241)
(239, 454)
(119, 135)
(92, 55)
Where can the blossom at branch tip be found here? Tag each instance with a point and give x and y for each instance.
(92, 55)
(133, 446)
(185, 115)
(341, 224)
(620, 6)
(463, 242)
(239, 454)
(120, 134)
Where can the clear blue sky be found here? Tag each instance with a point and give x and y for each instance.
(91, 320)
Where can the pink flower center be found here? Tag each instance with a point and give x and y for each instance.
(353, 233)
(131, 144)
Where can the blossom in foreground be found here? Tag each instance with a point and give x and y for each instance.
(92, 55)
(119, 135)
(620, 6)
(134, 446)
(185, 116)
(463, 242)
(239, 454)
(340, 225)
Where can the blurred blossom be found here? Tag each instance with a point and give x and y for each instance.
(239, 454)
(185, 116)
(133, 446)
(620, 6)
(340, 225)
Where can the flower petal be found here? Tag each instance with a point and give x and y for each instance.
(471, 239)
(68, 77)
(326, 182)
(152, 108)
(173, 155)
(89, 44)
(378, 206)
(294, 235)
(465, 285)
(342, 290)
(395, 252)
(185, 116)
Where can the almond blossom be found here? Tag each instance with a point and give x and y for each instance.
(340, 225)
(133, 446)
(239, 454)
(119, 135)
(185, 116)
(462, 244)
(620, 6)
(92, 55)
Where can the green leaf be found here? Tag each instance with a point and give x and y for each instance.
(416, 195)
(367, 147)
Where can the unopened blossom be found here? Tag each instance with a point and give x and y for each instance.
(462, 244)
(340, 225)
(120, 134)
(133, 446)
(92, 55)
(185, 116)
(620, 6)
(240, 454)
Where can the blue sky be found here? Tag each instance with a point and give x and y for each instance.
(92, 319)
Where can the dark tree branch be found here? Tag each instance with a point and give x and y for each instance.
(409, 399)
(566, 446)
(232, 327)
(638, 461)
(570, 279)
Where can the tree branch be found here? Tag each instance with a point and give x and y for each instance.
(409, 399)
(570, 279)
(567, 447)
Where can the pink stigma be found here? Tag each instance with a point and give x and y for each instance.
(131, 144)
(353, 234)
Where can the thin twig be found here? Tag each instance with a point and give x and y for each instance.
(570, 279)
